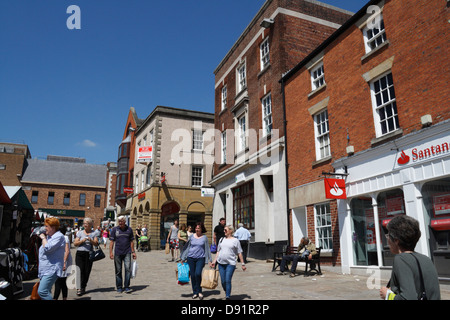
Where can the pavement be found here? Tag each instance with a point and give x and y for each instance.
(156, 280)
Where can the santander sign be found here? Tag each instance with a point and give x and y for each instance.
(418, 154)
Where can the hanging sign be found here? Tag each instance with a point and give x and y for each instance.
(335, 189)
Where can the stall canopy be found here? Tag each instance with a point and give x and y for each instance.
(22, 200)
(4, 198)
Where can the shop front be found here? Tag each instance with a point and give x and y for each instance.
(408, 176)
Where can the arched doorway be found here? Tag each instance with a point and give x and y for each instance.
(169, 212)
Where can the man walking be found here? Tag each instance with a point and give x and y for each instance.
(122, 238)
(219, 232)
(243, 235)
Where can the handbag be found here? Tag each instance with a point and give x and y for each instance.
(96, 254)
(34, 292)
(210, 278)
(213, 248)
(167, 248)
(183, 273)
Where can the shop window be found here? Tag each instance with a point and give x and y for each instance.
(363, 237)
(243, 205)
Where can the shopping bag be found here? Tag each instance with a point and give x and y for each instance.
(96, 254)
(167, 248)
(34, 292)
(210, 278)
(213, 248)
(134, 269)
(183, 273)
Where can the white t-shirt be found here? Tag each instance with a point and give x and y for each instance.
(228, 250)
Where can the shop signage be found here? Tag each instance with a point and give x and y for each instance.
(441, 224)
(141, 196)
(207, 192)
(335, 189)
(145, 154)
(423, 153)
(128, 190)
(239, 178)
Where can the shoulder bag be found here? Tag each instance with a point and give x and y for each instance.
(423, 294)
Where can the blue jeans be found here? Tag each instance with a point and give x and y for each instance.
(195, 269)
(126, 259)
(45, 286)
(226, 272)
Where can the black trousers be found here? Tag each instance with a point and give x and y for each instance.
(84, 265)
(244, 246)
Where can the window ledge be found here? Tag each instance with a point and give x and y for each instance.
(312, 93)
(267, 67)
(388, 136)
(315, 163)
(372, 52)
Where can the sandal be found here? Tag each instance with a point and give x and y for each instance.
(78, 292)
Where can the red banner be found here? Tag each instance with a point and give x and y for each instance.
(335, 189)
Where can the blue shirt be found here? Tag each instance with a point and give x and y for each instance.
(242, 234)
(51, 257)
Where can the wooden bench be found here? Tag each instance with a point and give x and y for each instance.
(314, 263)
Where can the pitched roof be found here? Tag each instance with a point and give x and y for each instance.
(65, 173)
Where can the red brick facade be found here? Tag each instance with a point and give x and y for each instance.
(416, 53)
(290, 39)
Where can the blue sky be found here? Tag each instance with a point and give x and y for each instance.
(68, 92)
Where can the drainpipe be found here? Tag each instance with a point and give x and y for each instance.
(286, 161)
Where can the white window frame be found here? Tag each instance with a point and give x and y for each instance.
(374, 34)
(197, 139)
(242, 132)
(264, 53)
(266, 104)
(384, 104)
(148, 177)
(136, 183)
(143, 179)
(223, 146)
(317, 76)
(323, 226)
(194, 175)
(322, 135)
(224, 98)
(241, 77)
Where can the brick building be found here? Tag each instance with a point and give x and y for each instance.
(67, 188)
(13, 162)
(371, 104)
(250, 169)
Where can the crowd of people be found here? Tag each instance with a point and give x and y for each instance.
(194, 249)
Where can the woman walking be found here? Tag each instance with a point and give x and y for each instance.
(51, 256)
(227, 251)
(60, 284)
(196, 252)
(84, 240)
(409, 266)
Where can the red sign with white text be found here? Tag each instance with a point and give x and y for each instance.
(335, 189)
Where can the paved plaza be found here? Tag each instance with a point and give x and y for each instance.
(156, 280)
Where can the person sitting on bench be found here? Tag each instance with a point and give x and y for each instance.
(306, 250)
